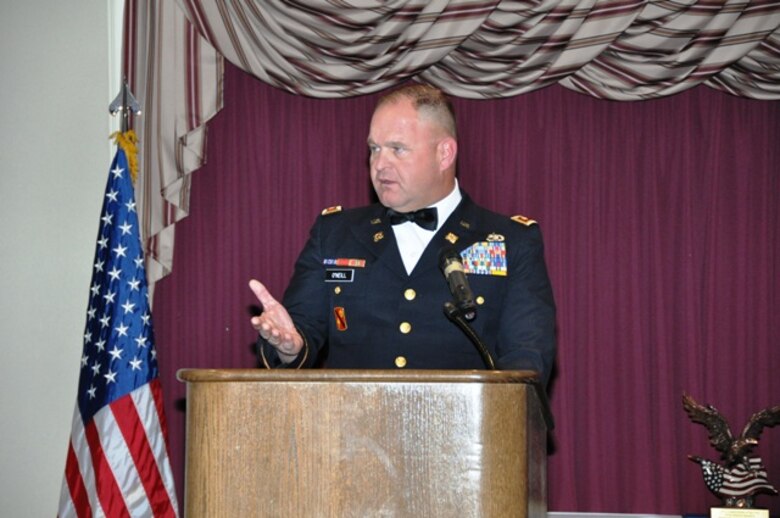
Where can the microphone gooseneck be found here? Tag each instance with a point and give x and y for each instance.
(463, 308)
(455, 316)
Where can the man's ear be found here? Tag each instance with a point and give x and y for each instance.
(448, 152)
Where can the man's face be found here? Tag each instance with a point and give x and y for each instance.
(406, 158)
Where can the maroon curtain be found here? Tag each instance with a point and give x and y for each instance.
(661, 228)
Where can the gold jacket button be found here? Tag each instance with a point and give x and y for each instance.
(400, 362)
(410, 294)
(405, 328)
(480, 300)
(337, 290)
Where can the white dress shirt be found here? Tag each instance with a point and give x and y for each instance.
(412, 238)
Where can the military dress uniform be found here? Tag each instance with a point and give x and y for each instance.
(354, 303)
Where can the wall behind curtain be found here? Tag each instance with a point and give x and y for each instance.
(661, 227)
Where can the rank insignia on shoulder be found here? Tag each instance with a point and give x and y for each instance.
(523, 220)
(331, 210)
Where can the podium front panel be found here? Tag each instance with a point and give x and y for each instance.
(344, 444)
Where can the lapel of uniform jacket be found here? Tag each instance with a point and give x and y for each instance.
(376, 234)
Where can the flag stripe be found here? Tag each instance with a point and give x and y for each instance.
(85, 471)
(152, 417)
(76, 490)
(120, 458)
(108, 492)
(129, 422)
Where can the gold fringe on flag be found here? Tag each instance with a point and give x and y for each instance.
(128, 142)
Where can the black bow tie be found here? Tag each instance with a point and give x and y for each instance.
(426, 218)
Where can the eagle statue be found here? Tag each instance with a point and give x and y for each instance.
(741, 476)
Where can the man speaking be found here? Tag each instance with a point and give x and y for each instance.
(368, 291)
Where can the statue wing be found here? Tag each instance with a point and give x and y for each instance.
(717, 427)
(767, 417)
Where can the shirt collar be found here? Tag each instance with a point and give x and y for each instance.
(446, 206)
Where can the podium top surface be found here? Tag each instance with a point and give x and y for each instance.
(355, 375)
(369, 376)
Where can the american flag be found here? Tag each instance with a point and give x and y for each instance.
(117, 461)
(736, 482)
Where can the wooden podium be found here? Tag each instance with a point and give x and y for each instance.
(344, 443)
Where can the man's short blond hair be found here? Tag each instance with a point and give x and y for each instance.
(429, 101)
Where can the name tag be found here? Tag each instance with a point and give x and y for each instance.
(339, 275)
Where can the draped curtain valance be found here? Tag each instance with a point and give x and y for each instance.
(620, 50)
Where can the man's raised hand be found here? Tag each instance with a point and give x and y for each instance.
(275, 325)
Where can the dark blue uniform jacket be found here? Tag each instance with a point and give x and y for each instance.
(356, 307)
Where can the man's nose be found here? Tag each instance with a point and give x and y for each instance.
(379, 159)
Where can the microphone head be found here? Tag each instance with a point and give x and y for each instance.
(448, 255)
(451, 265)
(450, 261)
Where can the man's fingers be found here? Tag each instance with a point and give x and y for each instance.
(261, 292)
(267, 330)
(274, 325)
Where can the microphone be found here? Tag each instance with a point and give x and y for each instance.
(451, 265)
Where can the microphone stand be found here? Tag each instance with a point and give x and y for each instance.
(456, 316)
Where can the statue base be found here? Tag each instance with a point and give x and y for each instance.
(737, 512)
